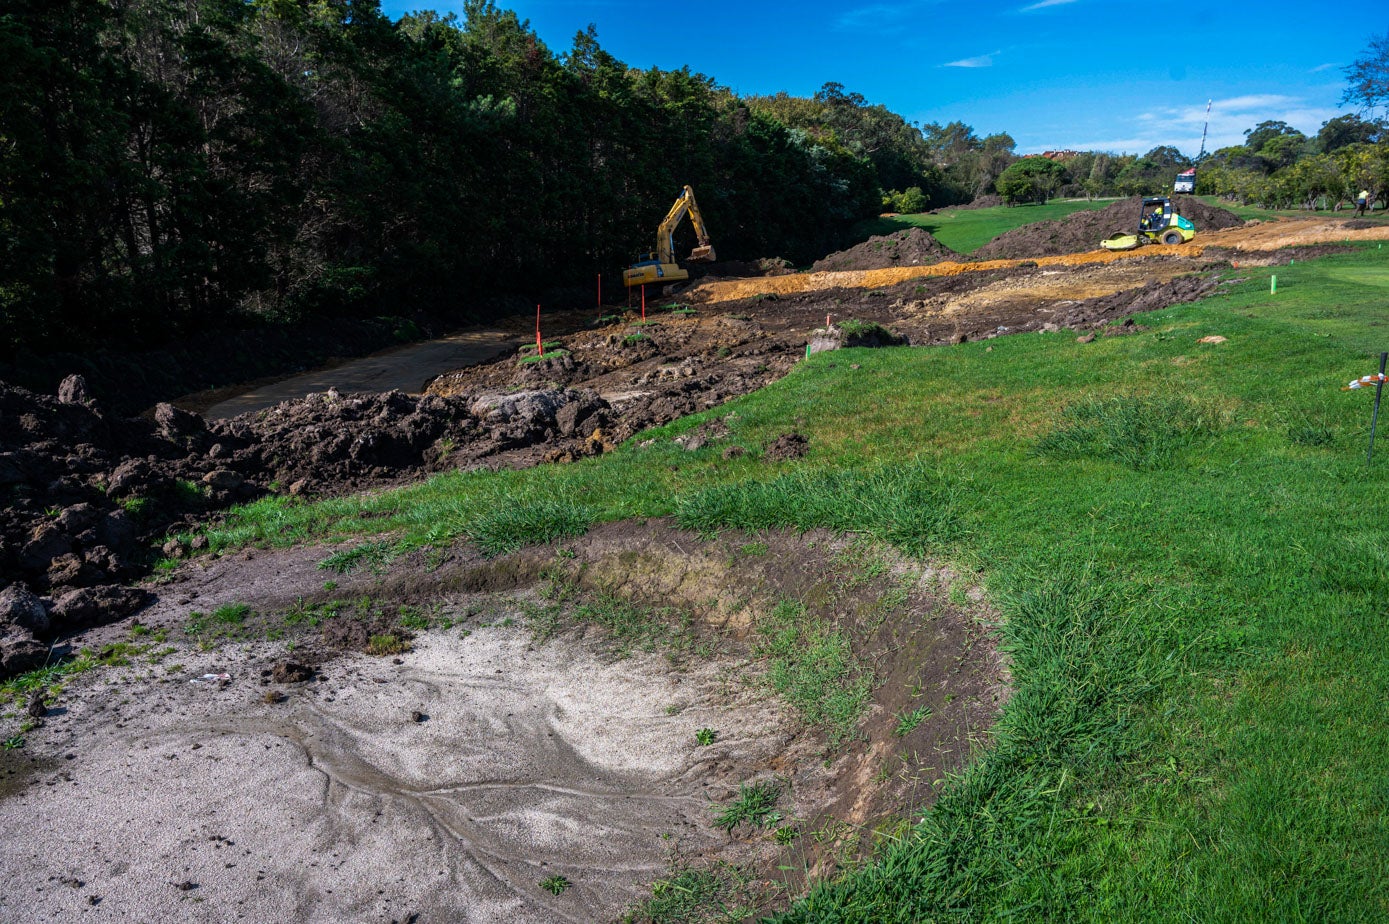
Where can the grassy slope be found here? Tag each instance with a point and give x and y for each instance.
(1197, 730)
(966, 230)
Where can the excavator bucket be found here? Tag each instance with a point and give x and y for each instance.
(704, 253)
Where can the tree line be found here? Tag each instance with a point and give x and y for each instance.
(172, 166)
(168, 166)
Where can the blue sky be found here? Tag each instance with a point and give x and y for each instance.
(1114, 75)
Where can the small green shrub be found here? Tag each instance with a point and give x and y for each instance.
(232, 614)
(706, 736)
(755, 805)
(555, 884)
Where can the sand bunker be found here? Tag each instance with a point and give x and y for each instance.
(189, 779)
(204, 803)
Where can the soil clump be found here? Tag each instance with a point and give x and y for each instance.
(909, 247)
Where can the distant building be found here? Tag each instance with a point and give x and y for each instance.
(1060, 155)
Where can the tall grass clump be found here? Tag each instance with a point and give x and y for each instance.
(912, 506)
(505, 529)
(1140, 433)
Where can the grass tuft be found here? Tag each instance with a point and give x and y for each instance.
(374, 555)
(755, 805)
(1140, 433)
(505, 529)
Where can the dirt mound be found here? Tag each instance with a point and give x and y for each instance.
(330, 442)
(786, 448)
(1098, 312)
(1082, 231)
(86, 492)
(767, 266)
(992, 200)
(912, 247)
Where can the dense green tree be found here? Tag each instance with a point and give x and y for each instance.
(1346, 130)
(1032, 179)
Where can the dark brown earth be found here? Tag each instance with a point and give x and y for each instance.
(1082, 231)
(88, 492)
(910, 247)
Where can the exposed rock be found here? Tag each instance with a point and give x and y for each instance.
(22, 607)
(73, 390)
(95, 606)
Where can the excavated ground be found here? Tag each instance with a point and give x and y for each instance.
(86, 491)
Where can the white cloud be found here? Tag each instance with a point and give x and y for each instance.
(1044, 4)
(1322, 67)
(977, 61)
(1181, 126)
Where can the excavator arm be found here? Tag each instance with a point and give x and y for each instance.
(660, 266)
(665, 234)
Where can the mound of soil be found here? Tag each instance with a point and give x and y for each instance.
(767, 266)
(786, 448)
(85, 493)
(992, 200)
(912, 247)
(1082, 231)
(1098, 312)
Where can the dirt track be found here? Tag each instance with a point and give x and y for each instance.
(406, 368)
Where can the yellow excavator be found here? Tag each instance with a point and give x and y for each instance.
(659, 267)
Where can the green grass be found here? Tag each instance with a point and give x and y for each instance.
(811, 665)
(551, 352)
(555, 885)
(1248, 211)
(522, 522)
(374, 555)
(966, 230)
(687, 896)
(1196, 646)
(907, 721)
(755, 806)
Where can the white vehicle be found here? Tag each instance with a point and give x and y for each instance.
(1186, 182)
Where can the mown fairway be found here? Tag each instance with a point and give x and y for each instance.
(1190, 552)
(965, 230)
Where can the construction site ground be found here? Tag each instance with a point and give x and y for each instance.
(311, 720)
